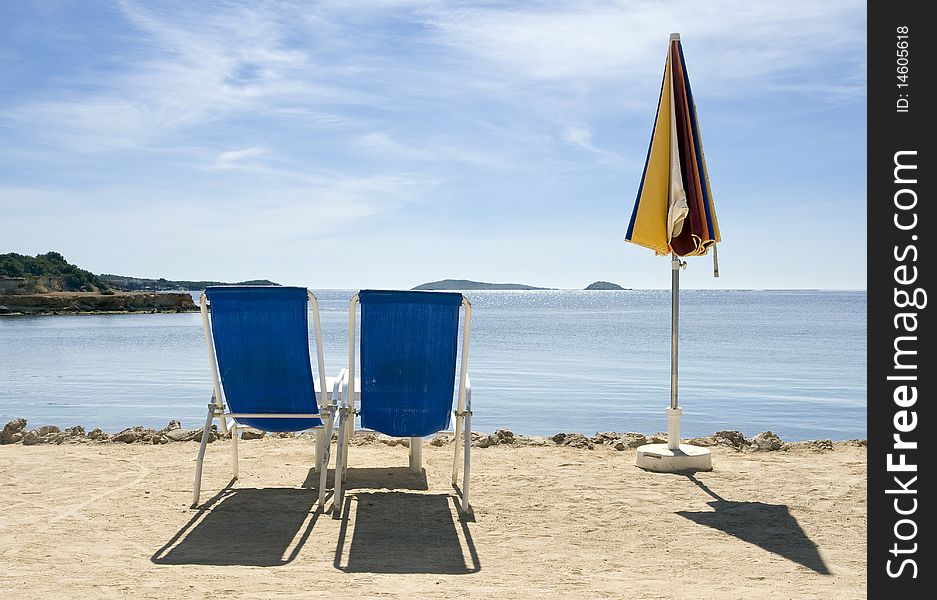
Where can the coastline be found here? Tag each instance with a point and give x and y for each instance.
(17, 432)
(94, 303)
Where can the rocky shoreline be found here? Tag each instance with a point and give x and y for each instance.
(16, 432)
(77, 303)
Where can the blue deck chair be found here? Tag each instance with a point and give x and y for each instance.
(408, 364)
(258, 349)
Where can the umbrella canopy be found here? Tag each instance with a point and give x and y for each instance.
(674, 210)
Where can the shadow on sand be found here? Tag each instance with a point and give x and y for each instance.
(769, 526)
(396, 478)
(399, 532)
(249, 527)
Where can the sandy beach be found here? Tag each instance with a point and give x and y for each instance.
(113, 520)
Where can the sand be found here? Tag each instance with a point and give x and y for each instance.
(113, 520)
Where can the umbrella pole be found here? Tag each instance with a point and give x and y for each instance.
(674, 457)
(674, 412)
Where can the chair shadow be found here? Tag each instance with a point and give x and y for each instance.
(398, 478)
(769, 526)
(244, 527)
(399, 532)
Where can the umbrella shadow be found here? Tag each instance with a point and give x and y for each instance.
(245, 527)
(772, 527)
(399, 532)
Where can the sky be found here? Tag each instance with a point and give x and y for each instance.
(387, 143)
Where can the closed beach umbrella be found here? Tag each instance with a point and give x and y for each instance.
(674, 214)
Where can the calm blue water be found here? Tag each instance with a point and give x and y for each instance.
(540, 361)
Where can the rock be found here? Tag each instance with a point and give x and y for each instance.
(74, 433)
(733, 439)
(632, 440)
(129, 435)
(607, 438)
(47, 434)
(820, 445)
(252, 434)
(439, 440)
(150, 436)
(387, 440)
(577, 440)
(704, 441)
(364, 438)
(573, 440)
(629, 441)
(14, 428)
(534, 440)
(181, 435)
(658, 438)
(504, 436)
(98, 435)
(405, 442)
(173, 425)
(485, 442)
(276, 434)
(766, 441)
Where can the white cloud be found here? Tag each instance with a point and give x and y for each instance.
(581, 136)
(624, 43)
(232, 159)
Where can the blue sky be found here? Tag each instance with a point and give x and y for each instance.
(389, 143)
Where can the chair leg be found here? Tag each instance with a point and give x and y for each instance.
(234, 450)
(416, 454)
(349, 431)
(467, 466)
(340, 452)
(455, 452)
(201, 455)
(320, 448)
(323, 443)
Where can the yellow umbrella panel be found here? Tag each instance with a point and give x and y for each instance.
(674, 212)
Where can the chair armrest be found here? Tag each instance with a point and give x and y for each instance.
(338, 388)
(468, 392)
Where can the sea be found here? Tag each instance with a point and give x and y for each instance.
(541, 362)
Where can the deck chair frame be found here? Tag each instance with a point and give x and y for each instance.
(216, 408)
(347, 412)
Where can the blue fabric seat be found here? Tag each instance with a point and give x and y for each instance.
(408, 360)
(261, 339)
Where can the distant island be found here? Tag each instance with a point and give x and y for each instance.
(123, 282)
(465, 284)
(603, 285)
(47, 284)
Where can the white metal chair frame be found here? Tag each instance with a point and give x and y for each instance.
(346, 420)
(216, 408)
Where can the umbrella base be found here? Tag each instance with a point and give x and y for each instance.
(661, 459)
